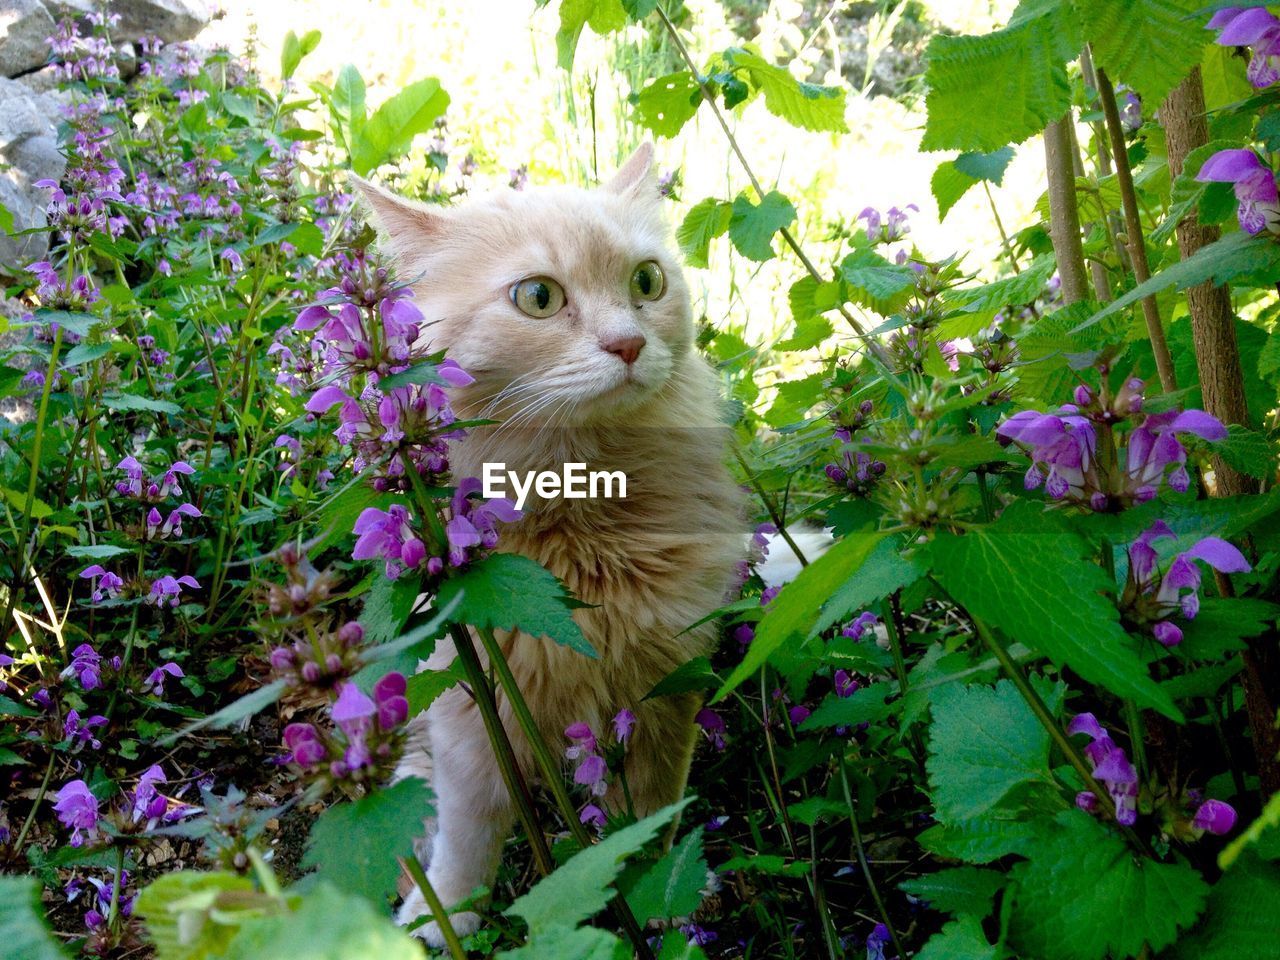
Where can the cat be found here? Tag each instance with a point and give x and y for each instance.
(584, 352)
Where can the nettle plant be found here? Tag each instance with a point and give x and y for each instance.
(1024, 706)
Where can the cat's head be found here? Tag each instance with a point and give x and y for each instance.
(567, 305)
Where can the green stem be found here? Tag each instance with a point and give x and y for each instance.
(552, 775)
(860, 847)
(115, 889)
(35, 804)
(771, 508)
(438, 912)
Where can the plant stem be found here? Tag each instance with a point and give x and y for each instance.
(1056, 734)
(1133, 230)
(35, 804)
(876, 349)
(116, 884)
(860, 847)
(774, 514)
(1064, 214)
(552, 775)
(1004, 237)
(438, 912)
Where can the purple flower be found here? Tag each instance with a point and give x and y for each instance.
(591, 773)
(593, 815)
(846, 685)
(305, 748)
(861, 624)
(474, 522)
(583, 740)
(86, 664)
(1254, 183)
(156, 678)
(388, 535)
(876, 942)
(389, 697)
(1251, 27)
(712, 725)
(623, 724)
(1111, 767)
(352, 710)
(77, 809)
(147, 800)
(106, 584)
(80, 732)
(1214, 816)
(798, 714)
(168, 589)
(699, 936)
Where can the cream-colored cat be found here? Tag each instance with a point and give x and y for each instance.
(569, 309)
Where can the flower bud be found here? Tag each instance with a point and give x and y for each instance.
(351, 634)
(281, 658)
(311, 672)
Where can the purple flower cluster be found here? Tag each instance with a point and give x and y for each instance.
(86, 666)
(1111, 768)
(887, 227)
(367, 731)
(1254, 184)
(77, 809)
(712, 726)
(1252, 27)
(1151, 599)
(1063, 447)
(320, 659)
(591, 767)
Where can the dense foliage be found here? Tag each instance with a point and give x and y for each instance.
(1025, 706)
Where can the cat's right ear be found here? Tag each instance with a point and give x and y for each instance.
(408, 224)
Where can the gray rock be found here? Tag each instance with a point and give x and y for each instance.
(170, 20)
(28, 152)
(25, 25)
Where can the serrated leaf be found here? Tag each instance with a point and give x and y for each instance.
(1022, 68)
(885, 570)
(1123, 34)
(1000, 833)
(874, 282)
(958, 890)
(806, 105)
(666, 104)
(506, 591)
(706, 220)
(752, 226)
(1082, 894)
(85, 353)
(23, 929)
(1240, 919)
(387, 607)
(1248, 451)
(695, 674)
(579, 889)
(569, 943)
(984, 742)
(354, 845)
(130, 401)
(865, 705)
(327, 925)
(178, 909)
(604, 16)
(961, 939)
(423, 688)
(672, 887)
(97, 551)
(1040, 589)
(800, 602)
(1234, 255)
(389, 132)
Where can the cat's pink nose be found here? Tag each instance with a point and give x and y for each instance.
(628, 348)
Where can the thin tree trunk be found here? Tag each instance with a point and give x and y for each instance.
(1064, 214)
(1222, 385)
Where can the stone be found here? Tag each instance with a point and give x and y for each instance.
(25, 26)
(170, 20)
(28, 152)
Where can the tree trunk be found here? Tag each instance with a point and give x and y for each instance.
(1064, 215)
(1222, 385)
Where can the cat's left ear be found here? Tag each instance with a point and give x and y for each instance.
(635, 178)
(401, 218)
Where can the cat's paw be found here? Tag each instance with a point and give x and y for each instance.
(414, 906)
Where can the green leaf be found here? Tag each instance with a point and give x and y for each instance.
(389, 133)
(354, 846)
(695, 674)
(1240, 918)
(423, 688)
(346, 107)
(604, 16)
(884, 571)
(98, 551)
(983, 743)
(179, 907)
(1040, 589)
(232, 713)
(274, 234)
(294, 50)
(996, 835)
(953, 178)
(666, 104)
(1248, 451)
(875, 282)
(1082, 894)
(958, 890)
(580, 888)
(706, 220)
(387, 607)
(989, 91)
(1262, 836)
(672, 887)
(23, 929)
(327, 925)
(866, 705)
(558, 942)
(13, 708)
(1223, 624)
(985, 166)
(85, 353)
(130, 401)
(961, 939)
(506, 591)
(800, 602)
(752, 226)
(805, 105)
(1124, 33)
(1234, 255)
(81, 324)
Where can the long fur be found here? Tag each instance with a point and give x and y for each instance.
(649, 565)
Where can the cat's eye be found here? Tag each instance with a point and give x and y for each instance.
(648, 283)
(538, 296)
